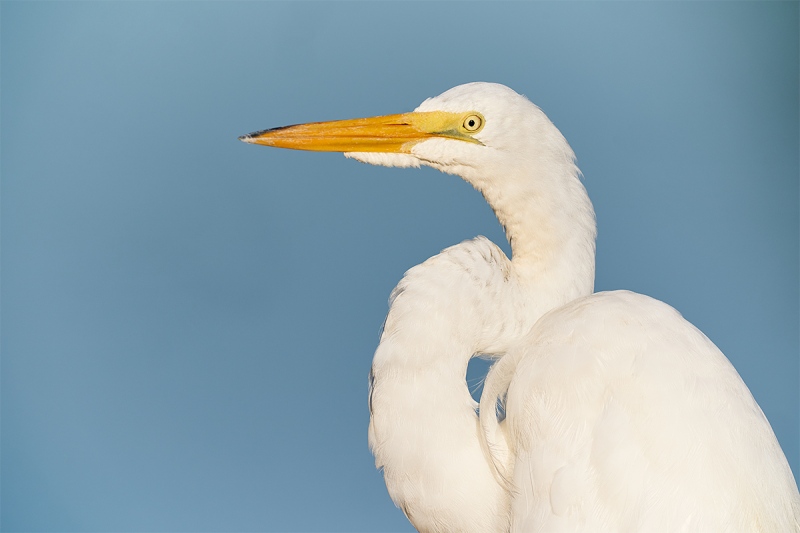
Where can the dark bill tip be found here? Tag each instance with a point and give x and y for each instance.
(251, 137)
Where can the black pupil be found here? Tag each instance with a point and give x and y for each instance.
(471, 123)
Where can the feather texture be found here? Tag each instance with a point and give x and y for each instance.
(620, 415)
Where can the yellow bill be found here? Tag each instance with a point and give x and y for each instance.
(388, 133)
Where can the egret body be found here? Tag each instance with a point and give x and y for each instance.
(619, 414)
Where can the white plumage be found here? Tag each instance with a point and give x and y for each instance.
(620, 415)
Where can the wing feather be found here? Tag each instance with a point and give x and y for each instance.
(625, 417)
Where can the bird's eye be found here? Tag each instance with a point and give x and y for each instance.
(472, 123)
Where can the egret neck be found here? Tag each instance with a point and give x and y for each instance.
(424, 430)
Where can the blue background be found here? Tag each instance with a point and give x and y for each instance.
(188, 321)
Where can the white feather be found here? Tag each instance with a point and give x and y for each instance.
(620, 415)
(385, 160)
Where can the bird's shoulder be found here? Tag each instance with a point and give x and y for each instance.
(617, 404)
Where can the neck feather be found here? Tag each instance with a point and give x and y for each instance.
(549, 222)
(471, 299)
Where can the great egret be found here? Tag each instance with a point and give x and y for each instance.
(619, 414)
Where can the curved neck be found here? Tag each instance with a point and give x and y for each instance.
(424, 431)
(550, 224)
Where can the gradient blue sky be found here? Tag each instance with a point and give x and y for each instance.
(188, 321)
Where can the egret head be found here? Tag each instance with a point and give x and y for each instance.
(496, 140)
(479, 131)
